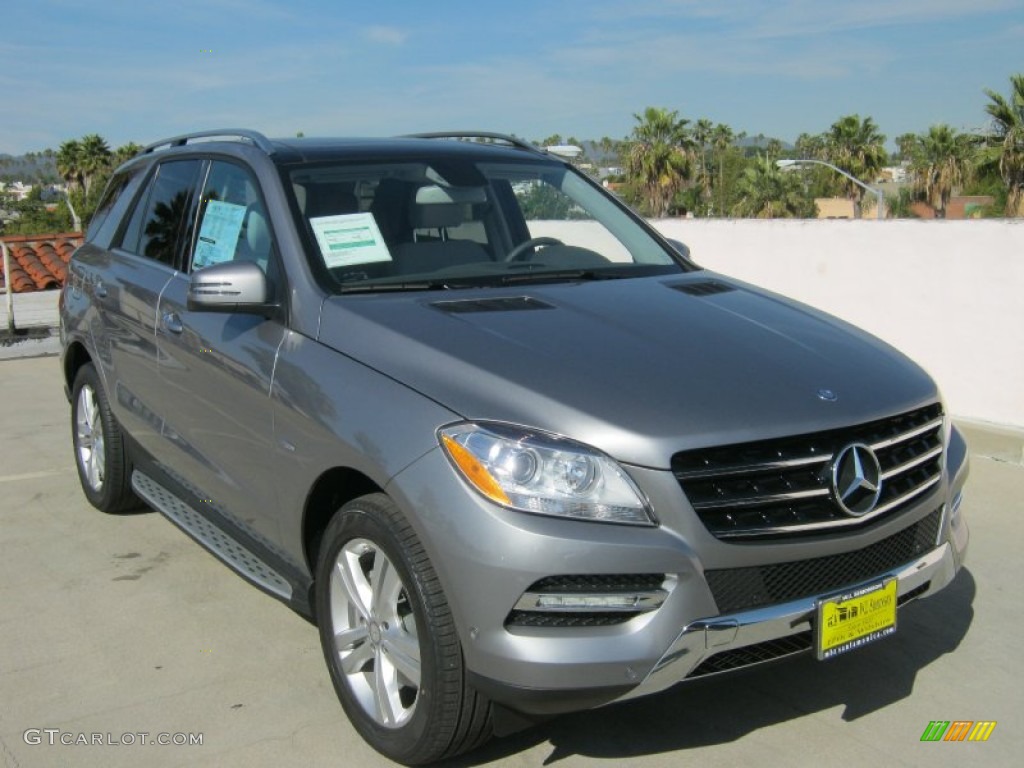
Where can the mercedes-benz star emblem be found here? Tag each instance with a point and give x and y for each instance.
(856, 479)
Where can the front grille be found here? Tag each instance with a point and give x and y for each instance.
(586, 584)
(783, 487)
(741, 589)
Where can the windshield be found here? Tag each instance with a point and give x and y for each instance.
(458, 222)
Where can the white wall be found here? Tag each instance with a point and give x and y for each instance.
(950, 294)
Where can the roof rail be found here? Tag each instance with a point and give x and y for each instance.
(255, 137)
(514, 141)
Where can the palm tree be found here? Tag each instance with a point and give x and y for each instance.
(905, 144)
(942, 160)
(69, 166)
(69, 163)
(95, 159)
(608, 146)
(857, 147)
(660, 158)
(768, 193)
(125, 152)
(702, 132)
(1006, 144)
(810, 147)
(722, 139)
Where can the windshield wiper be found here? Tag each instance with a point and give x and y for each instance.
(565, 275)
(482, 281)
(414, 285)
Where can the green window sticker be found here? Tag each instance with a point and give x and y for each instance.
(348, 239)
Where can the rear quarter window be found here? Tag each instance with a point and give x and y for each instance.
(112, 207)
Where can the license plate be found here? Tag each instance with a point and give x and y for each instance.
(854, 619)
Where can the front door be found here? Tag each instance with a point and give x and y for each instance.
(217, 367)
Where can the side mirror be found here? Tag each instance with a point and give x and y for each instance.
(233, 286)
(681, 248)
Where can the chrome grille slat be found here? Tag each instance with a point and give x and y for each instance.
(907, 435)
(916, 491)
(753, 469)
(783, 487)
(754, 501)
(934, 453)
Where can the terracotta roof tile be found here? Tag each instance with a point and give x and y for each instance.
(39, 262)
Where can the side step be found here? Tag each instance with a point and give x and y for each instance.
(233, 554)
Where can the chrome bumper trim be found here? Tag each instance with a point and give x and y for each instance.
(706, 637)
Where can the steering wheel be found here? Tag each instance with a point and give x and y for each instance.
(530, 244)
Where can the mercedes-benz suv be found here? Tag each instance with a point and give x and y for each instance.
(512, 450)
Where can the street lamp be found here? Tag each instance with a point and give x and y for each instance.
(783, 164)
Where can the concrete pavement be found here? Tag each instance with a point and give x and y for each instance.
(117, 626)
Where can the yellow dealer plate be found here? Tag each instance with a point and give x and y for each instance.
(854, 619)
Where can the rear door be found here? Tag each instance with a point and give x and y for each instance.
(218, 367)
(141, 262)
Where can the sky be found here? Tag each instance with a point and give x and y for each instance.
(141, 71)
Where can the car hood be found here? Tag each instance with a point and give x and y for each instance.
(639, 368)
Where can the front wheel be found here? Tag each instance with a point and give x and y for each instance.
(389, 639)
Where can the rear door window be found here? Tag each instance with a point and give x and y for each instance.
(158, 225)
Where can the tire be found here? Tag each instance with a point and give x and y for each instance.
(100, 454)
(389, 639)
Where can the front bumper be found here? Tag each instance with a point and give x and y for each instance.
(487, 558)
(722, 643)
(757, 632)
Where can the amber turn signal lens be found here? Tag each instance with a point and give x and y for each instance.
(475, 471)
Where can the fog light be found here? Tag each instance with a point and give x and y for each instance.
(588, 602)
(573, 602)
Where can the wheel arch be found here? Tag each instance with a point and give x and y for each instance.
(333, 489)
(75, 356)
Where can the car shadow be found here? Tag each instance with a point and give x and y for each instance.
(725, 708)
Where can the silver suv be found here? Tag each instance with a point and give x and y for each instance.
(514, 452)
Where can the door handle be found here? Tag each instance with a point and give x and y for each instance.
(172, 322)
(100, 290)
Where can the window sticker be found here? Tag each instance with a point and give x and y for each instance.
(218, 237)
(348, 239)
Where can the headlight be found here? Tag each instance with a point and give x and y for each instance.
(540, 473)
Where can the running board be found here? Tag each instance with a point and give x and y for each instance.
(233, 554)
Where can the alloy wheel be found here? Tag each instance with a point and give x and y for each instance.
(375, 634)
(89, 438)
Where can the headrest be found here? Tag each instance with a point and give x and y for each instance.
(436, 216)
(257, 237)
(434, 193)
(329, 200)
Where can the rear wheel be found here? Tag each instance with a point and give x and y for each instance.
(100, 453)
(389, 639)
